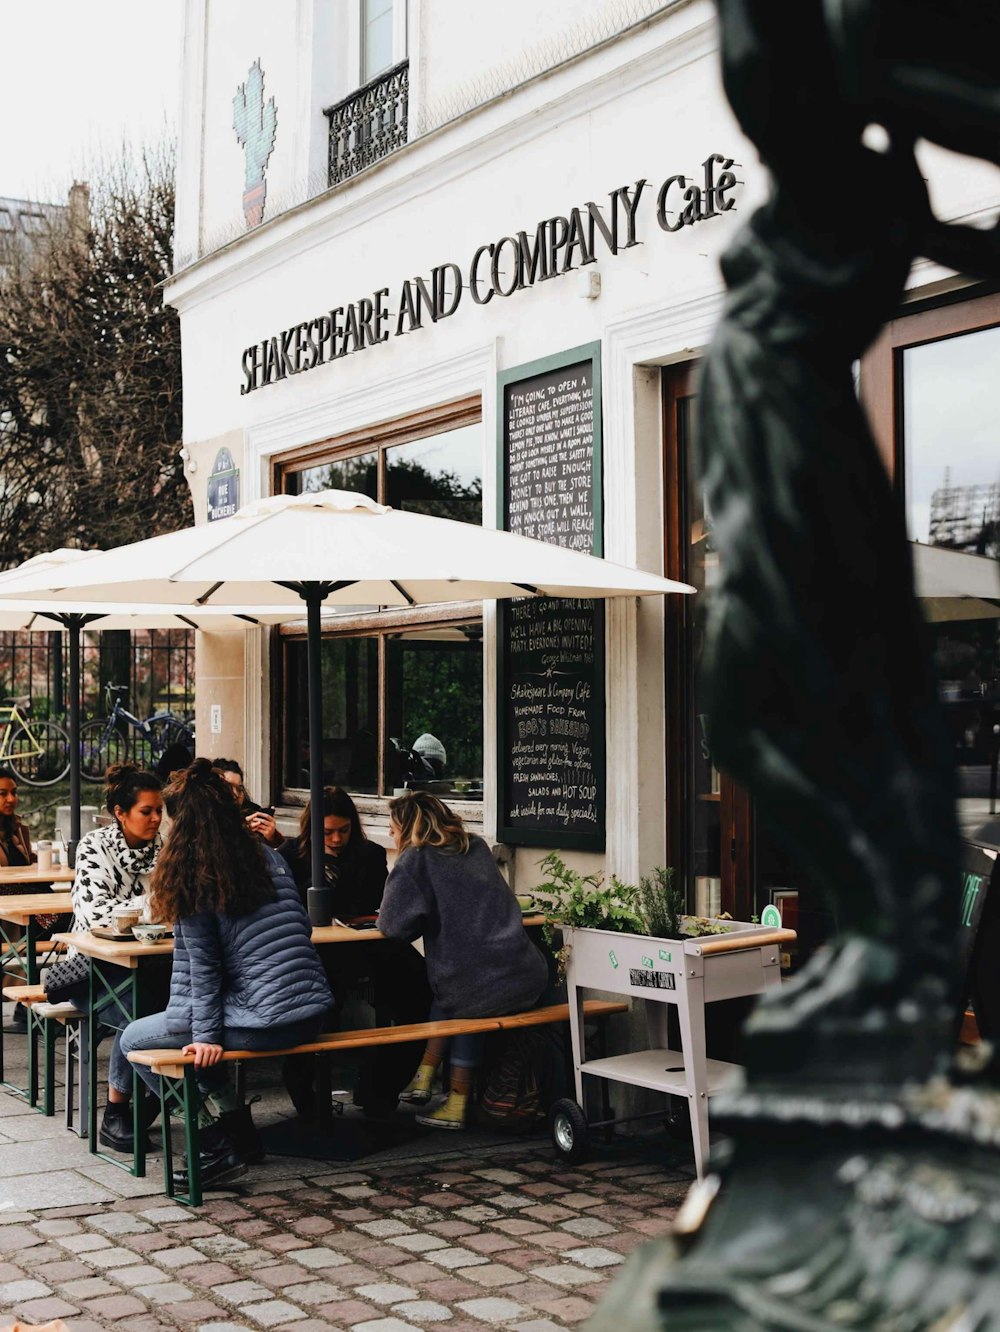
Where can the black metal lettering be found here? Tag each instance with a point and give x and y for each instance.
(474, 276)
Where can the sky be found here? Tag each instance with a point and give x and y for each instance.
(76, 80)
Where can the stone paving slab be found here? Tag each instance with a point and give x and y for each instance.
(287, 1252)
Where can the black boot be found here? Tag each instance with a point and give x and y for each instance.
(241, 1131)
(219, 1161)
(116, 1126)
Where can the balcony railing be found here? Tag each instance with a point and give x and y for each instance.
(370, 124)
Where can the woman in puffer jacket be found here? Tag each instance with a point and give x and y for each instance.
(245, 976)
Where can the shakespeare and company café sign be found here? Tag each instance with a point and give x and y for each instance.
(499, 268)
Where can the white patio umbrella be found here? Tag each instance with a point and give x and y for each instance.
(30, 615)
(954, 585)
(340, 548)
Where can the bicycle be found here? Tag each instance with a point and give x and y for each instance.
(121, 736)
(38, 751)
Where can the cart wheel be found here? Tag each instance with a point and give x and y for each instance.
(570, 1134)
(677, 1120)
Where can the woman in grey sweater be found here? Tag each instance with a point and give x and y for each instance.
(446, 888)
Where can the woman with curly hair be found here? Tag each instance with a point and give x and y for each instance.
(446, 888)
(245, 976)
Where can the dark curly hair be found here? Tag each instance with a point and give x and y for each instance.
(211, 861)
(122, 784)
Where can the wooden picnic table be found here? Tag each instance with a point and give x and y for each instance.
(31, 874)
(22, 951)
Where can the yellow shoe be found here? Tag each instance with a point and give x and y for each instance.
(451, 1115)
(418, 1089)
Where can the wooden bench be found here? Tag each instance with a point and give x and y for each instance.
(178, 1089)
(46, 1025)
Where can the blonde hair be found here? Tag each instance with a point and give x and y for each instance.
(423, 820)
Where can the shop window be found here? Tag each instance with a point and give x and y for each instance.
(929, 385)
(428, 731)
(402, 688)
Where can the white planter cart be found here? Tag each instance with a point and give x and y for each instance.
(688, 973)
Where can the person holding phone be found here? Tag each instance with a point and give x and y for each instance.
(259, 819)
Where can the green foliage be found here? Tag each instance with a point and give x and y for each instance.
(583, 902)
(661, 903)
(654, 907)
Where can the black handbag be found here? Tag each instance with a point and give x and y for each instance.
(67, 979)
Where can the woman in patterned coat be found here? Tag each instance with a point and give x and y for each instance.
(114, 864)
(113, 868)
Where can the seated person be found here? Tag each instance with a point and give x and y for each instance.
(173, 759)
(114, 866)
(258, 819)
(15, 840)
(357, 869)
(445, 887)
(245, 974)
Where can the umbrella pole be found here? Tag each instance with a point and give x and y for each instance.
(73, 625)
(313, 594)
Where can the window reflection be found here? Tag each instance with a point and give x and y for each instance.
(350, 714)
(359, 474)
(440, 475)
(434, 708)
(951, 468)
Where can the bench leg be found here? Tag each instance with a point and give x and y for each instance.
(182, 1094)
(32, 1024)
(76, 1075)
(240, 1082)
(49, 1028)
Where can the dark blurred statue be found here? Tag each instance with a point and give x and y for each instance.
(860, 1187)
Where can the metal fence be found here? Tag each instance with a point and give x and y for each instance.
(156, 664)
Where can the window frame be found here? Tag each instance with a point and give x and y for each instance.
(950, 316)
(382, 623)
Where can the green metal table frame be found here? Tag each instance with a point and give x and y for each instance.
(117, 999)
(21, 950)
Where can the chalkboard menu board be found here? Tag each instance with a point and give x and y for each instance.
(550, 684)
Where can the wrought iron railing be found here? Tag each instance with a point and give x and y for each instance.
(158, 665)
(370, 124)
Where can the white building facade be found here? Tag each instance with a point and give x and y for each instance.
(515, 189)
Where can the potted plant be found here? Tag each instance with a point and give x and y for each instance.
(636, 940)
(653, 908)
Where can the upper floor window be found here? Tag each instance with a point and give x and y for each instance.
(376, 37)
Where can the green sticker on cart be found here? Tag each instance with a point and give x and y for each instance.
(771, 917)
(664, 955)
(648, 963)
(614, 960)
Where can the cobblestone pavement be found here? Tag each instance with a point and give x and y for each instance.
(465, 1231)
(508, 1238)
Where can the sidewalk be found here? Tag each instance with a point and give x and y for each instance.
(463, 1231)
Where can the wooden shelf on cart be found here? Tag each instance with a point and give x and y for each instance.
(657, 1070)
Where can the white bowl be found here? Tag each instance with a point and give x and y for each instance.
(151, 933)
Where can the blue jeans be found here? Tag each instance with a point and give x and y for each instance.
(464, 1050)
(152, 1033)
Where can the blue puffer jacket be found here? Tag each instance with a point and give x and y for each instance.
(255, 971)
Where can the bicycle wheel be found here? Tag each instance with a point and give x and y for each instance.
(167, 731)
(99, 751)
(39, 753)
